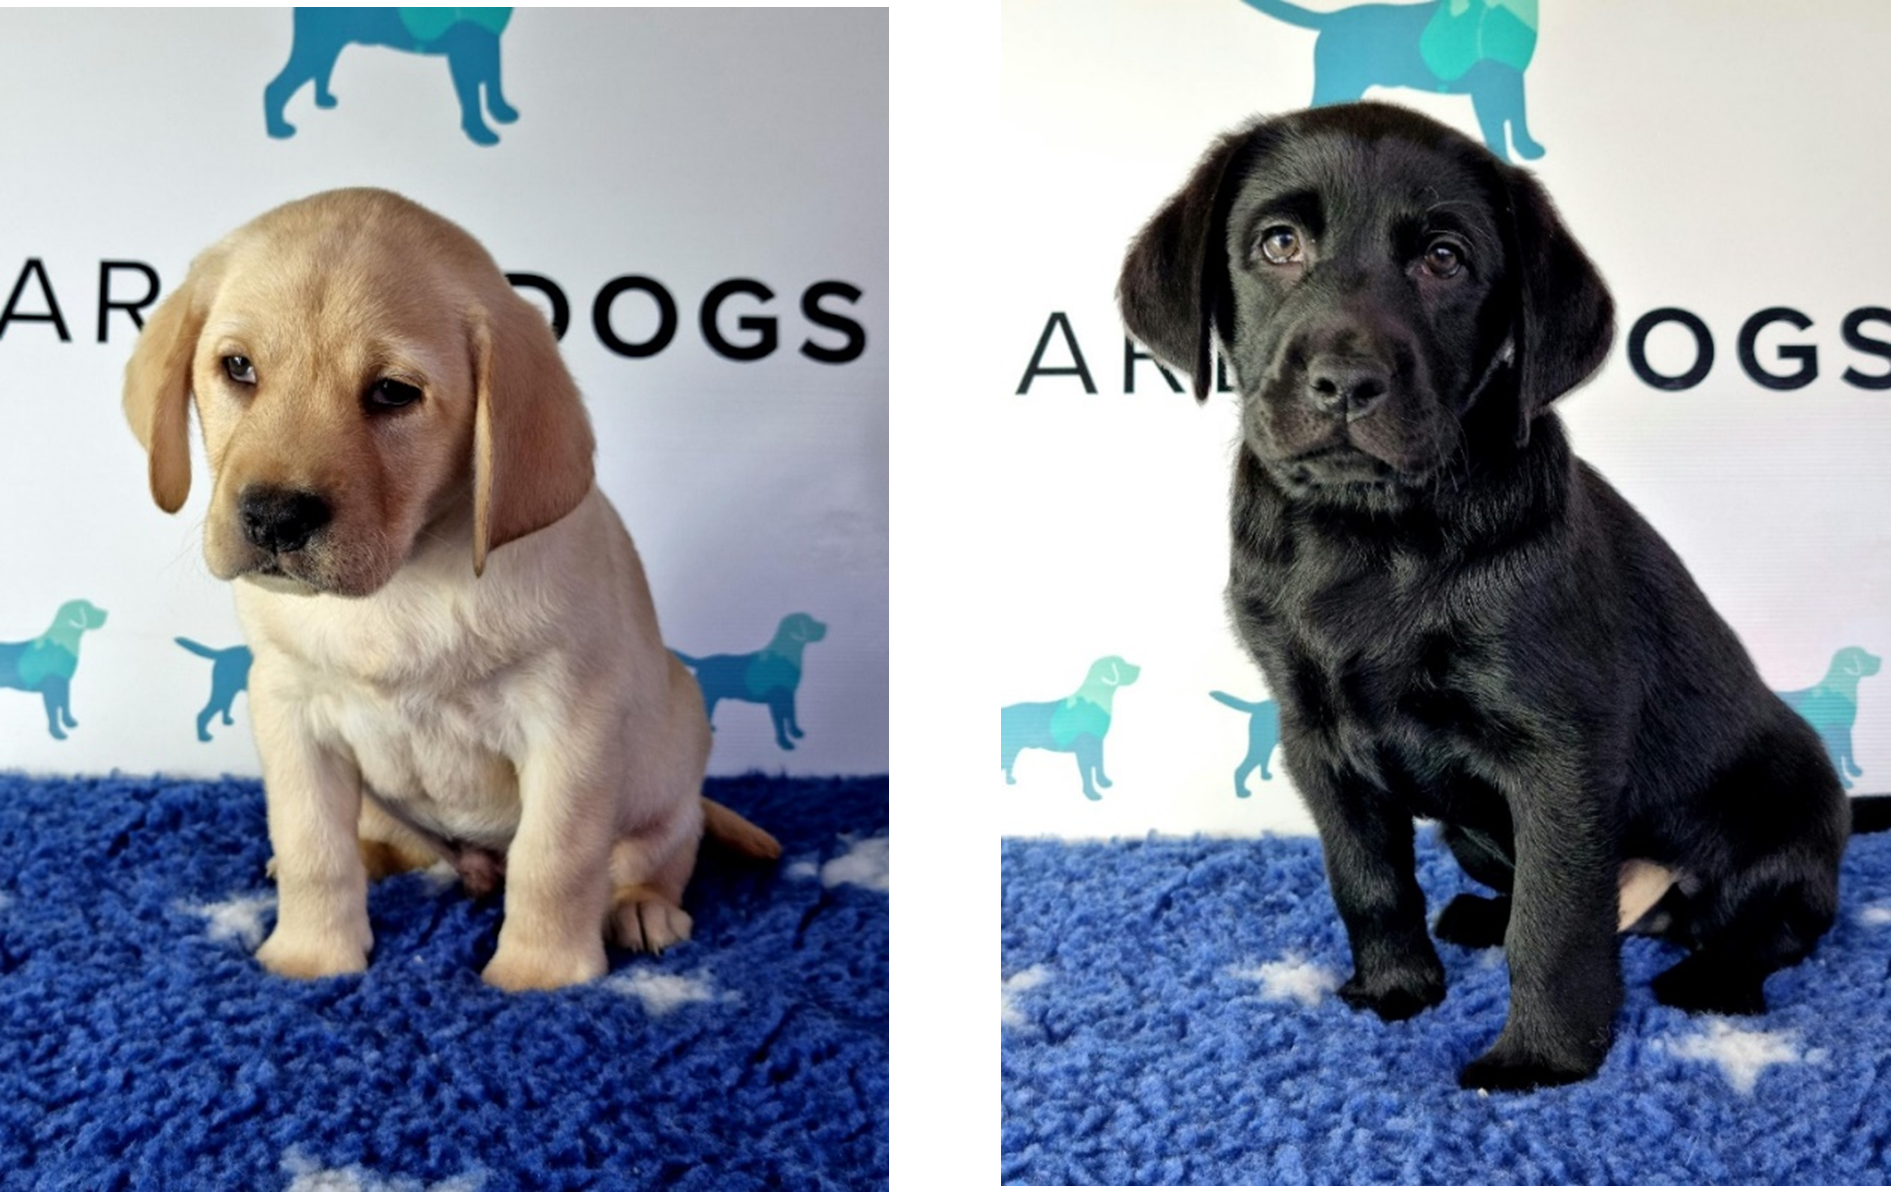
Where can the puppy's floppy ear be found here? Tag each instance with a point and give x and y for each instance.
(532, 442)
(1566, 319)
(1173, 291)
(157, 385)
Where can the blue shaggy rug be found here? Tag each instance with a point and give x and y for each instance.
(141, 1047)
(1169, 1018)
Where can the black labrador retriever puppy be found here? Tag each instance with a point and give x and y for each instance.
(1461, 620)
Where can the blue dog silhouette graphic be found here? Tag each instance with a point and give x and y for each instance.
(468, 37)
(1832, 706)
(47, 663)
(1478, 48)
(1263, 736)
(1075, 724)
(229, 678)
(768, 676)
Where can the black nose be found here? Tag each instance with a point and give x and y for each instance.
(1349, 387)
(280, 520)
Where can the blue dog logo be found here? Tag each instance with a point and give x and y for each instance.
(1832, 706)
(47, 663)
(1263, 737)
(467, 37)
(768, 676)
(1075, 724)
(1477, 48)
(229, 678)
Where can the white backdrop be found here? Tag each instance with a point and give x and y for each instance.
(1711, 156)
(690, 147)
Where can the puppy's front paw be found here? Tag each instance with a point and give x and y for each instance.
(644, 921)
(1395, 996)
(1497, 1070)
(516, 967)
(306, 957)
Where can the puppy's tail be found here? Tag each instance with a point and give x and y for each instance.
(732, 830)
(1870, 813)
(197, 648)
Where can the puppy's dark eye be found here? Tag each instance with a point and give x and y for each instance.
(240, 369)
(1443, 259)
(1281, 245)
(389, 394)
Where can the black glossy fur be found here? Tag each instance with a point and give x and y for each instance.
(1462, 621)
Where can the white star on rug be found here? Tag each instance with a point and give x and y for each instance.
(311, 1176)
(239, 918)
(864, 864)
(1741, 1054)
(1875, 916)
(1291, 979)
(661, 993)
(1017, 984)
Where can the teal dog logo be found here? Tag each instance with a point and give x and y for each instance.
(1478, 48)
(47, 663)
(1263, 736)
(1832, 706)
(467, 37)
(768, 676)
(229, 678)
(1075, 724)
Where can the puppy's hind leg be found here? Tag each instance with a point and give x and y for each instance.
(1471, 920)
(1755, 925)
(1773, 926)
(1770, 914)
(652, 864)
(646, 913)
(648, 874)
(388, 846)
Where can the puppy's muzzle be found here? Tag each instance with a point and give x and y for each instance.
(280, 520)
(1347, 387)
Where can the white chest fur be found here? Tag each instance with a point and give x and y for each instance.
(443, 764)
(436, 686)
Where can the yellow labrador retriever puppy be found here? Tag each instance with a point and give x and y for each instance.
(456, 653)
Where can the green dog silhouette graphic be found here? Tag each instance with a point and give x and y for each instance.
(1478, 48)
(467, 37)
(229, 678)
(769, 676)
(47, 663)
(1832, 706)
(1075, 724)
(1263, 738)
